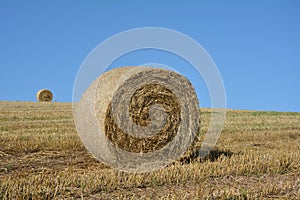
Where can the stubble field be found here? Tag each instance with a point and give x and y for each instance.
(42, 157)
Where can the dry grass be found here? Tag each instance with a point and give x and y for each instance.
(41, 157)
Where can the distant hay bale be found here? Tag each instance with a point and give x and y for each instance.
(138, 110)
(44, 95)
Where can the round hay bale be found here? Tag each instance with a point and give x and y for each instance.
(138, 119)
(44, 95)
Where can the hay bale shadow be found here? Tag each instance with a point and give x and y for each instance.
(212, 156)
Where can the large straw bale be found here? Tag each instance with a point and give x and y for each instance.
(136, 115)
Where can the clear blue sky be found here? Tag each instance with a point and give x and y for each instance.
(255, 44)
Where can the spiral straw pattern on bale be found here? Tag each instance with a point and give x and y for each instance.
(44, 95)
(137, 118)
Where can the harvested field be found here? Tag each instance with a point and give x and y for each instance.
(42, 157)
